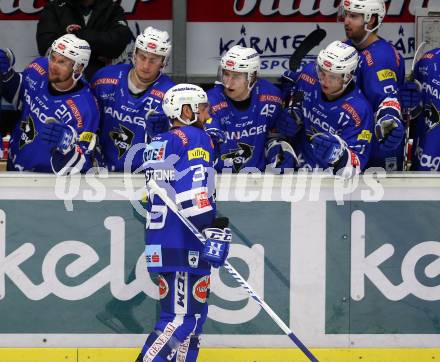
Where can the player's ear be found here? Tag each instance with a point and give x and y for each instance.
(186, 112)
(77, 72)
(373, 22)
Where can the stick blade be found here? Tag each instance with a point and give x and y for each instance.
(309, 42)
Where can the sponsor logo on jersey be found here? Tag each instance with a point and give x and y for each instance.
(433, 91)
(153, 255)
(252, 131)
(238, 157)
(163, 287)
(354, 115)
(104, 81)
(87, 137)
(159, 343)
(202, 200)
(428, 56)
(122, 138)
(198, 152)
(386, 74)
(317, 121)
(193, 258)
(181, 298)
(28, 132)
(201, 289)
(179, 133)
(219, 106)
(392, 103)
(122, 117)
(308, 79)
(365, 135)
(270, 98)
(430, 161)
(38, 68)
(354, 159)
(158, 93)
(155, 151)
(368, 57)
(74, 108)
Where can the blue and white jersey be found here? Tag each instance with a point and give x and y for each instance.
(427, 146)
(78, 109)
(350, 117)
(380, 74)
(246, 131)
(123, 118)
(181, 161)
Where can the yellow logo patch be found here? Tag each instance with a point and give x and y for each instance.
(385, 74)
(198, 152)
(365, 135)
(87, 136)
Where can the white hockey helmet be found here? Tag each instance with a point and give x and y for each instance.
(154, 41)
(339, 58)
(180, 95)
(74, 48)
(368, 8)
(243, 60)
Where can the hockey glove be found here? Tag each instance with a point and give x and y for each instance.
(411, 99)
(59, 135)
(216, 248)
(156, 123)
(389, 132)
(280, 154)
(7, 61)
(328, 148)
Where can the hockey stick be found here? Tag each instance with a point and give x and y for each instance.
(309, 42)
(152, 185)
(408, 116)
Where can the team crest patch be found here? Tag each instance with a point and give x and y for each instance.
(153, 254)
(122, 138)
(29, 132)
(239, 156)
(193, 258)
(201, 289)
(163, 287)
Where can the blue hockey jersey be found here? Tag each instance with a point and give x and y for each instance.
(427, 147)
(380, 74)
(181, 161)
(123, 119)
(350, 117)
(246, 131)
(78, 109)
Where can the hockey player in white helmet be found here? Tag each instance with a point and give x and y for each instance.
(336, 116)
(185, 153)
(59, 118)
(380, 76)
(68, 58)
(246, 111)
(130, 96)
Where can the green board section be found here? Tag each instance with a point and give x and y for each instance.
(400, 291)
(38, 231)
